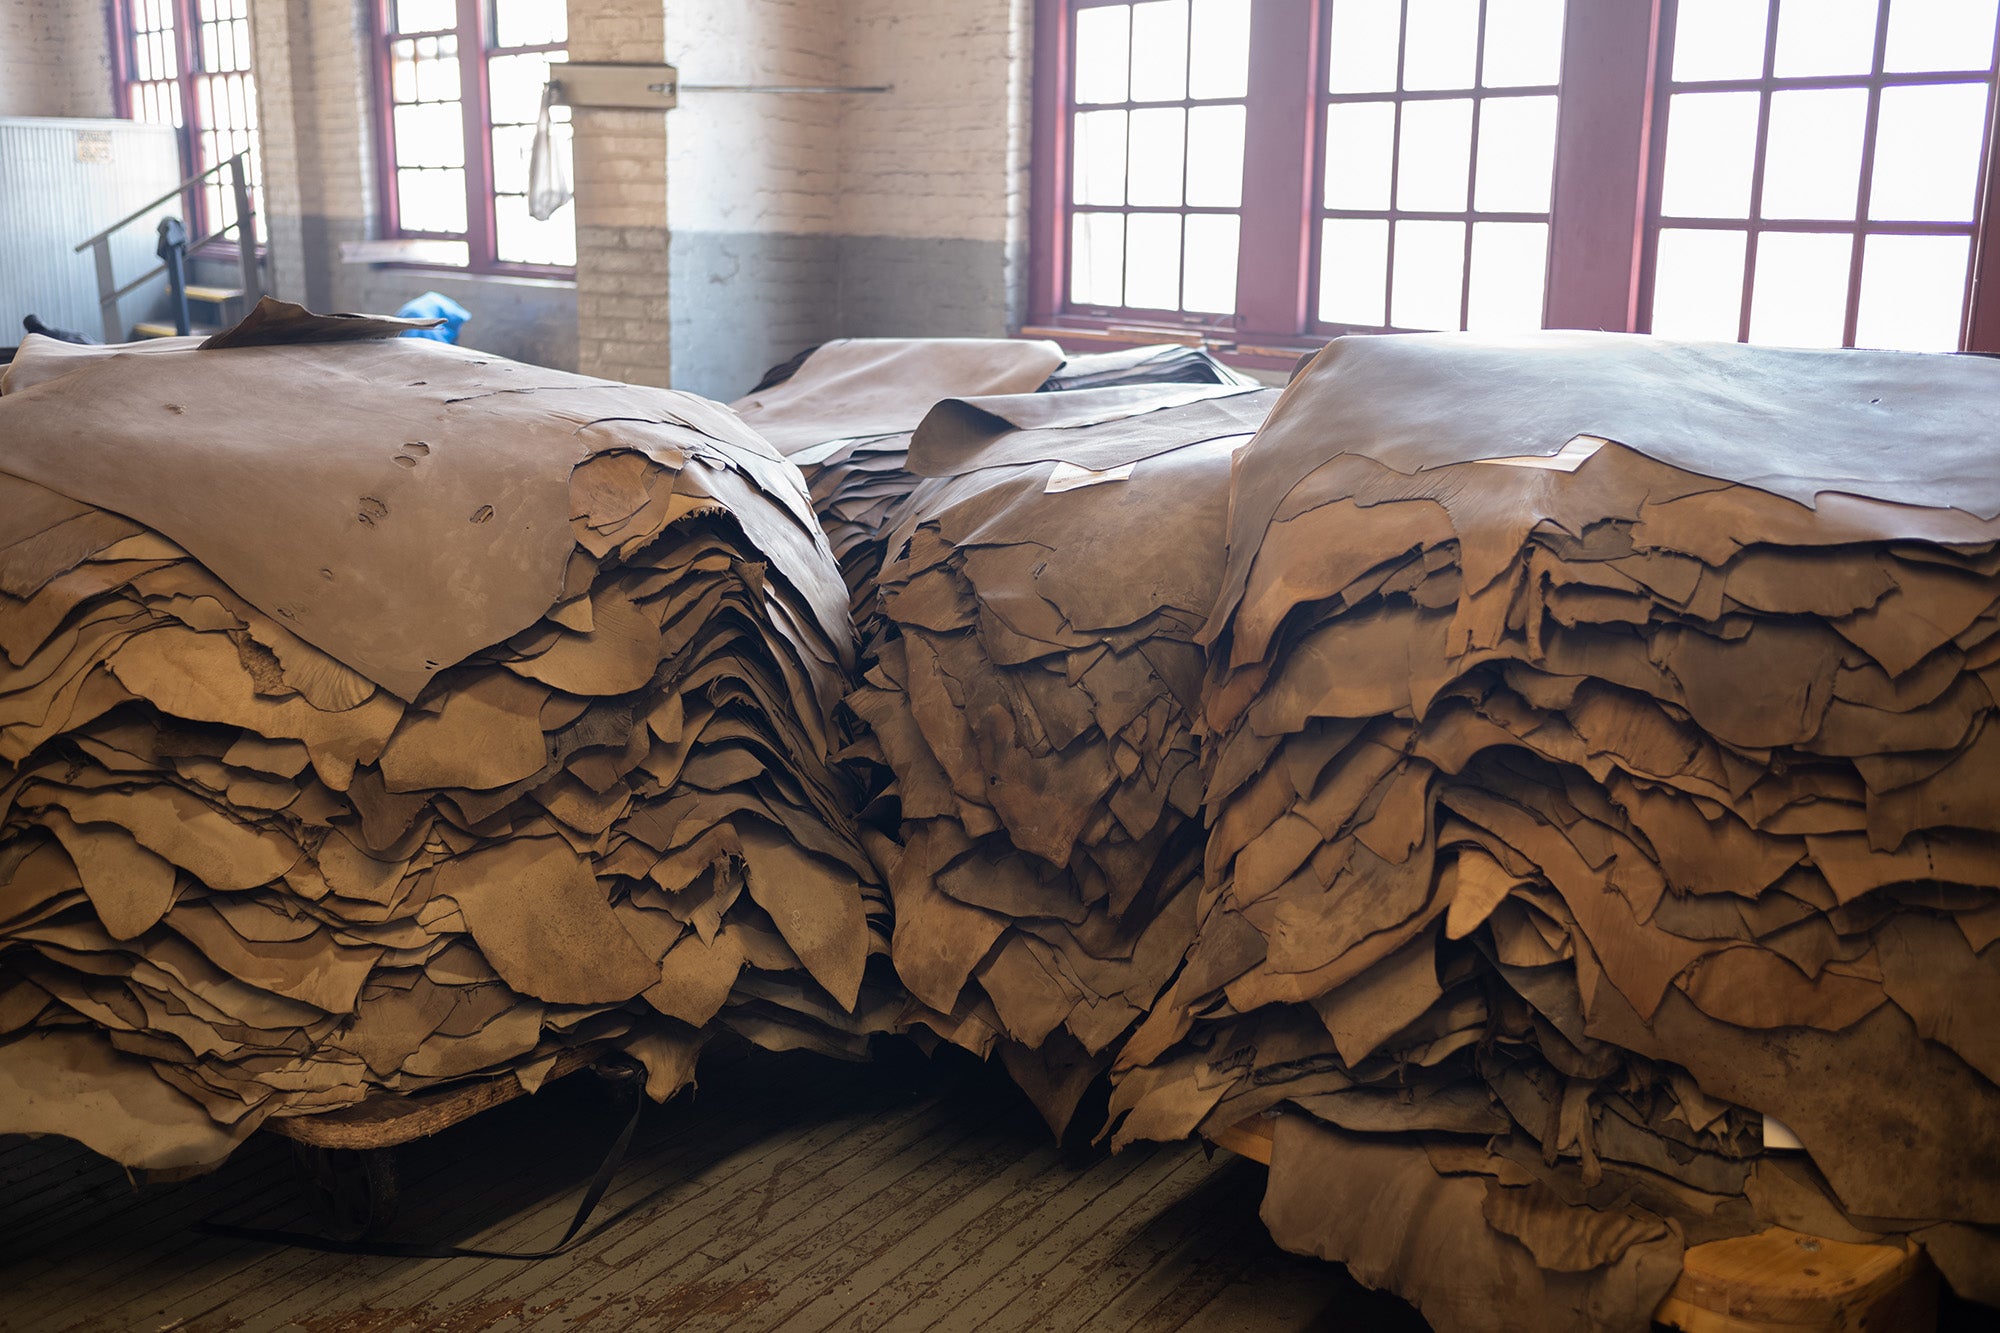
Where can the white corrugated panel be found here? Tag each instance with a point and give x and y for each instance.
(64, 180)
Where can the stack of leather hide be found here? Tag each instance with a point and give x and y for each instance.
(378, 714)
(844, 411)
(1157, 363)
(1032, 701)
(1604, 757)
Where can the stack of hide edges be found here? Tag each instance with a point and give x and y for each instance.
(1033, 699)
(843, 413)
(375, 714)
(1603, 758)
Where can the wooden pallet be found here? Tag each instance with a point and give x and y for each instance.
(1775, 1280)
(389, 1120)
(343, 1158)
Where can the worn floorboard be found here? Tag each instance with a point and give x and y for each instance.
(786, 1193)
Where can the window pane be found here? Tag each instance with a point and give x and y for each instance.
(1153, 261)
(1360, 150)
(1209, 282)
(1215, 157)
(1939, 34)
(1698, 284)
(519, 239)
(1441, 43)
(1354, 272)
(430, 134)
(1103, 53)
(1523, 43)
(1429, 275)
(1434, 165)
(1097, 258)
(1912, 290)
(1812, 165)
(1158, 147)
(514, 88)
(1711, 148)
(437, 74)
(1927, 153)
(1099, 158)
(512, 145)
(1363, 44)
(530, 23)
(1800, 295)
(1825, 37)
(1517, 154)
(1221, 44)
(1719, 39)
(1509, 262)
(426, 15)
(1159, 51)
(431, 200)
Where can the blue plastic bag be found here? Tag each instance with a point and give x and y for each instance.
(435, 305)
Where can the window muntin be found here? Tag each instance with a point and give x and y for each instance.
(463, 90)
(186, 63)
(1156, 108)
(1819, 184)
(1703, 185)
(1438, 134)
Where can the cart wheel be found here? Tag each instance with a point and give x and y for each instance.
(353, 1193)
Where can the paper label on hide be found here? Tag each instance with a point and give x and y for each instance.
(1566, 459)
(1070, 477)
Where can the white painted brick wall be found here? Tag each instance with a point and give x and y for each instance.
(55, 58)
(945, 155)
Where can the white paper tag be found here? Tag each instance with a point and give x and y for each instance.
(1070, 477)
(1566, 459)
(1779, 1138)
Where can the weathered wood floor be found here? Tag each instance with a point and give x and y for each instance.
(788, 1193)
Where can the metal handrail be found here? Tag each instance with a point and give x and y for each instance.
(170, 195)
(108, 292)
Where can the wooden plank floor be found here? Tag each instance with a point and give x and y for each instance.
(789, 1193)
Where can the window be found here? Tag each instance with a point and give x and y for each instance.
(1821, 176)
(462, 88)
(186, 63)
(1270, 173)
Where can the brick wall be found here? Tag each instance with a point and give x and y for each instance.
(55, 58)
(621, 203)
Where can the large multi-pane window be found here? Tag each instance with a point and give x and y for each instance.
(186, 63)
(462, 90)
(1820, 184)
(1269, 173)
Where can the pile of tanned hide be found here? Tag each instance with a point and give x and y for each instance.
(1603, 756)
(1032, 700)
(843, 413)
(377, 713)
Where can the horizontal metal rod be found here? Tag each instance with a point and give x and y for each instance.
(781, 88)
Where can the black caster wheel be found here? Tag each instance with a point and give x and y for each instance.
(352, 1192)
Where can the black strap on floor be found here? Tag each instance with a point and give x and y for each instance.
(306, 1240)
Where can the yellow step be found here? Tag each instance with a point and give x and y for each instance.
(154, 329)
(212, 295)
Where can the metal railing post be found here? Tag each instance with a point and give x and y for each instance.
(107, 289)
(246, 232)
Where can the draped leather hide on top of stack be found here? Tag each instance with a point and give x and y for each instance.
(379, 714)
(1603, 753)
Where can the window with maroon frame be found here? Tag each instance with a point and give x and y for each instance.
(1800, 172)
(186, 63)
(462, 85)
